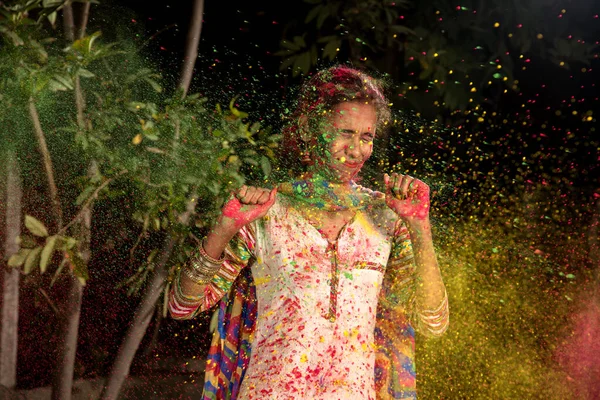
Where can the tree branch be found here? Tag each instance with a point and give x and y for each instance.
(68, 21)
(87, 205)
(191, 51)
(43, 148)
(85, 14)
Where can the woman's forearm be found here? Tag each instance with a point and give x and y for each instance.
(214, 245)
(430, 288)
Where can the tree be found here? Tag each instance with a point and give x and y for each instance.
(173, 149)
(144, 313)
(63, 381)
(11, 200)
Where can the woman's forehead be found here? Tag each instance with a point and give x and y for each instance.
(355, 111)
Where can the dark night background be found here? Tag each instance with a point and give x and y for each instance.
(236, 57)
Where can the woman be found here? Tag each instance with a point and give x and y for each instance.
(310, 315)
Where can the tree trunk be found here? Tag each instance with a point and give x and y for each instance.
(143, 315)
(43, 148)
(10, 280)
(145, 310)
(191, 50)
(63, 378)
(137, 330)
(85, 14)
(69, 22)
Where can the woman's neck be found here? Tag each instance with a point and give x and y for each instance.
(319, 179)
(315, 191)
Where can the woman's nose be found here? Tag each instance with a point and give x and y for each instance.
(354, 148)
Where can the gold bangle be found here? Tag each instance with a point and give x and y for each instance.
(203, 267)
(204, 255)
(198, 278)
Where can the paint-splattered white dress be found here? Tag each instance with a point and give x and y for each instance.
(316, 301)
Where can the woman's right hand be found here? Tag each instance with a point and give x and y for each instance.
(248, 204)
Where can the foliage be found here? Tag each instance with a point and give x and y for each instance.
(169, 152)
(35, 253)
(448, 56)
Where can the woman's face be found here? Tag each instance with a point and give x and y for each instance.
(347, 140)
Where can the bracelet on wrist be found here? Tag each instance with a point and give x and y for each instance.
(197, 277)
(202, 253)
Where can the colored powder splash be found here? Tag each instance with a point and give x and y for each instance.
(513, 197)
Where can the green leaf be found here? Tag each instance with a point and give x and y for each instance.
(17, 259)
(313, 13)
(157, 88)
(85, 44)
(251, 161)
(327, 39)
(299, 41)
(58, 271)
(402, 29)
(79, 267)
(151, 136)
(35, 226)
(51, 3)
(322, 17)
(265, 164)
(314, 56)
(330, 49)
(52, 18)
(16, 39)
(59, 82)
(42, 53)
(26, 242)
(135, 106)
(47, 252)
(31, 260)
(302, 64)
(84, 73)
(287, 63)
(289, 45)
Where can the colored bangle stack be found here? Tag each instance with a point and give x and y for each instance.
(437, 320)
(182, 299)
(202, 268)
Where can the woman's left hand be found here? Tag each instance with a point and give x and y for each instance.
(407, 196)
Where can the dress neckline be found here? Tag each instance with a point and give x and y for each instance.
(343, 229)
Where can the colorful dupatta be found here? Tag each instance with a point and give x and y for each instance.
(230, 349)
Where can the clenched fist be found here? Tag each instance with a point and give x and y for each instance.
(247, 204)
(407, 196)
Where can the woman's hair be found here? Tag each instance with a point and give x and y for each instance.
(321, 93)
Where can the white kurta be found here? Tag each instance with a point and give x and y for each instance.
(299, 351)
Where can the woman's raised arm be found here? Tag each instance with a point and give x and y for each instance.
(209, 273)
(409, 198)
